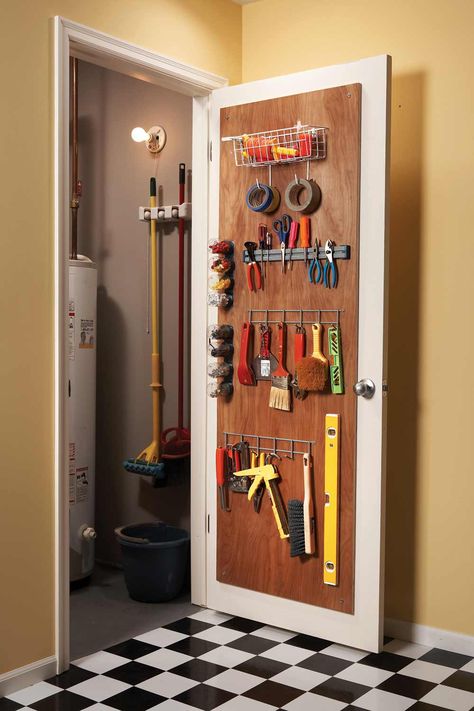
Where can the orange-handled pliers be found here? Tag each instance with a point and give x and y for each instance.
(255, 283)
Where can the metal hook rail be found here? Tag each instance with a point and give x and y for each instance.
(302, 320)
(276, 449)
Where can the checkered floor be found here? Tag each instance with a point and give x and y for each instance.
(214, 661)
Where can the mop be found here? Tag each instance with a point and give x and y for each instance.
(149, 461)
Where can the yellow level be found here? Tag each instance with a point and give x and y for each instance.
(331, 500)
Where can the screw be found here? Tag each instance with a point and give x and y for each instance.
(349, 96)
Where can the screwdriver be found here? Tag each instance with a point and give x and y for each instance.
(220, 475)
(305, 236)
(268, 243)
(293, 238)
(262, 230)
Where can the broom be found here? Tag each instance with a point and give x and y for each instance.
(280, 393)
(312, 371)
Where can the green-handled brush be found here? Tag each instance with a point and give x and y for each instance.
(335, 360)
(301, 521)
(280, 393)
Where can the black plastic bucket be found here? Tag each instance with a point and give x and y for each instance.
(155, 559)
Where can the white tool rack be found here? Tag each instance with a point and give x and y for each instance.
(165, 213)
(293, 144)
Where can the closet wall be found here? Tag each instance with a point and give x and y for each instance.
(115, 172)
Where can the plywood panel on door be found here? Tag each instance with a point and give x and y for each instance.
(250, 553)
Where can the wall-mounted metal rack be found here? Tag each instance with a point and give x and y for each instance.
(289, 449)
(297, 254)
(303, 318)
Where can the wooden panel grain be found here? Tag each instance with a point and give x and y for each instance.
(250, 553)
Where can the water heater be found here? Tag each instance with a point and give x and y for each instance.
(82, 381)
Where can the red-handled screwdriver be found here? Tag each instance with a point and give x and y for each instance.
(220, 475)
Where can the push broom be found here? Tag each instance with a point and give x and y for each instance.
(148, 462)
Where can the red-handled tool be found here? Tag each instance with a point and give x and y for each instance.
(220, 475)
(245, 373)
(253, 269)
(305, 236)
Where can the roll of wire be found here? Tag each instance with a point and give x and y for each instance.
(303, 196)
(263, 198)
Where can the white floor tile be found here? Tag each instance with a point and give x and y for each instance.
(426, 670)
(273, 633)
(236, 682)
(449, 698)
(172, 705)
(96, 707)
(161, 637)
(101, 662)
(226, 656)
(312, 702)
(363, 674)
(164, 659)
(287, 654)
(300, 678)
(167, 684)
(212, 617)
(406, 649)
(378, 700)
(33, 693)
(99, 688)
(469, 667)
(219, 635)
(338, 650)
(241, 703)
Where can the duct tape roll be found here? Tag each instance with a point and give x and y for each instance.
(275, 204)
(303, 196)
(259, 197)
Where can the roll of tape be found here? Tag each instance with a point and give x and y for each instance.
(275, 204)
(259, 197)
(303, 196)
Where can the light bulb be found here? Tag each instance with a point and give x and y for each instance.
(139, 134)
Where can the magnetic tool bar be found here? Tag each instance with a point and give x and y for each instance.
(297, 254)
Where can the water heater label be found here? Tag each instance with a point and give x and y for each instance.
(72, 330)
(87, 333)
(72, 473)
(82, 484)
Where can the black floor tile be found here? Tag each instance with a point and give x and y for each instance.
(386, 660)
(270, 692)
(74, 675)
(62, 701)
(242, 625)
(422, 706)
(132, 649)
(134, 699)
(8, 705)
(447, 659)
(261, 666)
(188, 626)
(461, 680)
(193, 646)
(305, 641)
(253, 645)
(199, 670)
(325, 664)
(132, 673)
(341, 690)
(204, 697)
(407, 686)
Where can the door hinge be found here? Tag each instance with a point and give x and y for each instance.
(210, 151)
(208, 523)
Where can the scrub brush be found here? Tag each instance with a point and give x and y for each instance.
(301, 523)
(312, 371)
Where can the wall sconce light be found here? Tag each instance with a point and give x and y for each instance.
(154, 138)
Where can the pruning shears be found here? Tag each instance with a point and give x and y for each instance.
(330, 270)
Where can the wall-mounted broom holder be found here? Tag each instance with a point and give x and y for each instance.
(327, 317)
(165, 213)
(297, 254)
(272, 445)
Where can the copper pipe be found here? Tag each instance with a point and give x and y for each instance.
(74, 182)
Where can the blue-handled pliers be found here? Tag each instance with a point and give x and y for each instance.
(282, 228)
(330, 270)
(315, 264)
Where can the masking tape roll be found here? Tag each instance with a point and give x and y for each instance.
(303, 196)
(259, 197)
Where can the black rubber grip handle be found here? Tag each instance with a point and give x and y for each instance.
(182, 173)
(152, 187)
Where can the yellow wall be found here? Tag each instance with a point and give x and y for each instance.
(430, 538)
(206, 33)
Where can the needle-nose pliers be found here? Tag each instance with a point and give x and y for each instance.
(330, 271)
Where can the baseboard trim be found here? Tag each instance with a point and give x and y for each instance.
(25, 676)
(430, 636)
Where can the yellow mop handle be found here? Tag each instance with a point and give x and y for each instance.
(155, 356)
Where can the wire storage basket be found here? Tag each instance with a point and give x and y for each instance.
(283, 145)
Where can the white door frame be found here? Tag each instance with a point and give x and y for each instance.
(99, 48)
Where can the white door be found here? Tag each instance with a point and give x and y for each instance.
(362, 626)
